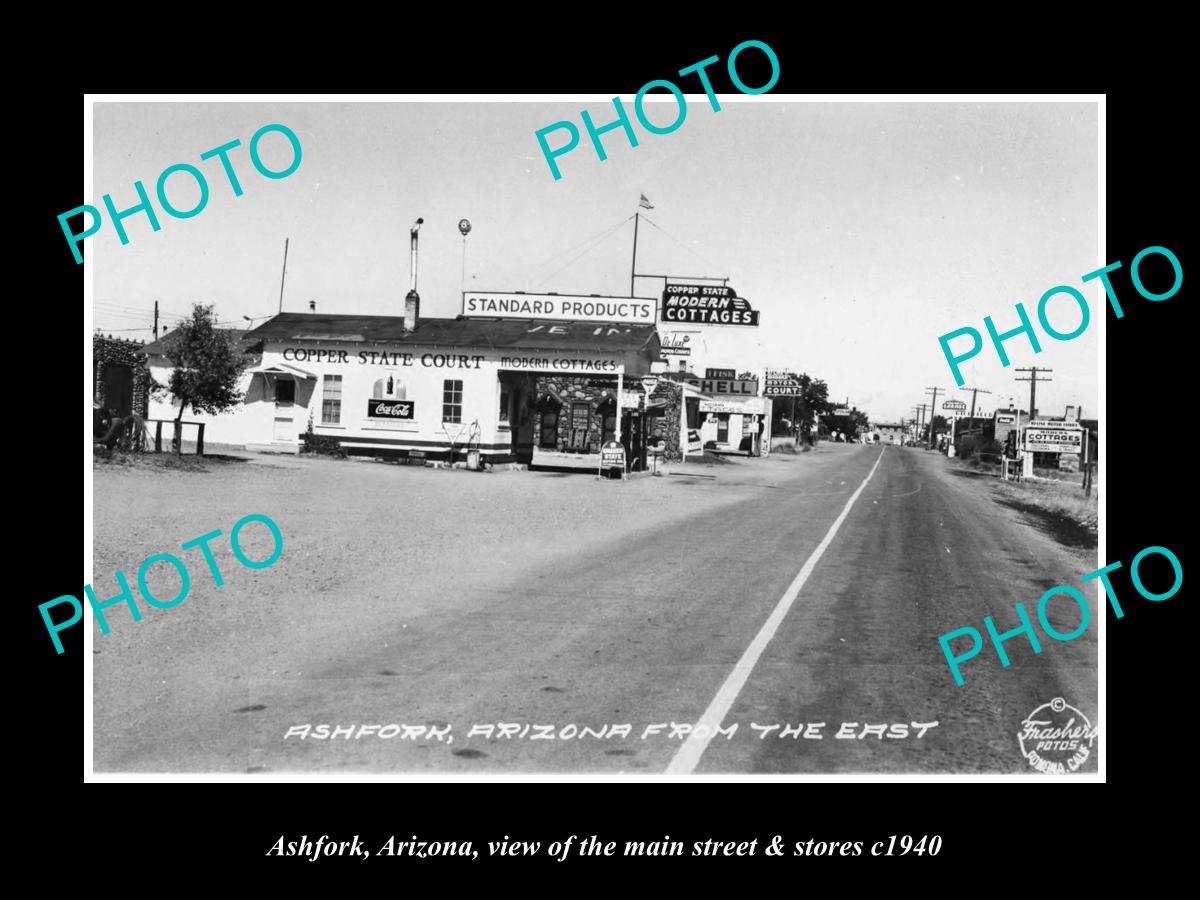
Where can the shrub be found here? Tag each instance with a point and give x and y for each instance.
(968, 446)
(324, 445)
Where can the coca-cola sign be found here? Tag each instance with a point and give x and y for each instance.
(390, 409)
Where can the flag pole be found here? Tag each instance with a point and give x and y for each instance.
(283, 274)
(633, 266)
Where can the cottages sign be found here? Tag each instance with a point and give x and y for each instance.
(706, 305)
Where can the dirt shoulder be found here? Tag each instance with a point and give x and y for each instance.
(1056, 507)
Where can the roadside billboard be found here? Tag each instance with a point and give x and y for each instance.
(1053, 437)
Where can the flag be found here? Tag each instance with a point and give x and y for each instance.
(644, 203)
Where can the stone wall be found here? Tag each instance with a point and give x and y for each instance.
(672, 392)
(110, 351)
(574, 388)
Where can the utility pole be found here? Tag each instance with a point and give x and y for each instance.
(156, 320)
(1033, 379)
(974, 392)
(283, 275)
(920, 418)
(932, 413)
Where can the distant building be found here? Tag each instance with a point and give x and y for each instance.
(887, 433)
(228, 427)
(1008, 419)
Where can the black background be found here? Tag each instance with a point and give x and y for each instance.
(215, 833)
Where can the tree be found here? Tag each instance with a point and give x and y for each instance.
(859, 422)
(208, 365)
(939, 423)
(811, 400)
(850, 425)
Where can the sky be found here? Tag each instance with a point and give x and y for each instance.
(860, 231)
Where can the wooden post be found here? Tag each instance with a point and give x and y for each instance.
(200, 441)
(158, 435)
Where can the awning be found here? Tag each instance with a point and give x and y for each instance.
(738, 405)
(281, 369)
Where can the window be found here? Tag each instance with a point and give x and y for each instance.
(390, 388)
(331, 400)
(581, 418)
(505, 397)
(285, 390)
(452, 392)
(549, 437)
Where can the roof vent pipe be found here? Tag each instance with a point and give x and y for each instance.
(412, 301)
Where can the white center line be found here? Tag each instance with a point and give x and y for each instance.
(693, 748)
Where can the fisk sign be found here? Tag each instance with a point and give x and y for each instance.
(741, 388)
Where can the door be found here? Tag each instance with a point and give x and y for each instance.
(285, 404)
(634, 440)
(118, 389)
(517, 393)
(722, 428)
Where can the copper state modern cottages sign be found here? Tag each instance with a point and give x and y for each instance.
(706, 305)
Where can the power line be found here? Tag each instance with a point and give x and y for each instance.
(552, 259)
(706, 261)
(1033, 380)
(120, 307)
(974, 391)
(932, 413)
(120, 315)
(920, 410)
(586, 251)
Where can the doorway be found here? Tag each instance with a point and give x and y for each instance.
(118, 389)
(633, 437)
(517, 396)
(285, 404)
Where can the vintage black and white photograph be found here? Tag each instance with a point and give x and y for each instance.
(675, 435)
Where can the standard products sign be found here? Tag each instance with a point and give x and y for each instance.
(555, 306)
(706, 305)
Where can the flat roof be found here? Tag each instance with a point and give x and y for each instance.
(496, 334)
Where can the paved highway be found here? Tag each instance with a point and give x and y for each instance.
(792, 602)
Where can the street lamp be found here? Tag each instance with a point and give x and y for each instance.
(464, 227)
